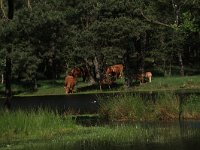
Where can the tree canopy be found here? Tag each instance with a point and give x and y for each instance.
(47, 37)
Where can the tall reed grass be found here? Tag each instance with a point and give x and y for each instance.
(164, 106)
(191, 107)
(40, 123)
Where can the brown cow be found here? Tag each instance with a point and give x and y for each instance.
(139, 77)
(69, 84)
(115, 70)
(78, 72)
(106, 80)
(143, 77)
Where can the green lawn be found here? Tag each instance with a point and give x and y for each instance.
(48, 87)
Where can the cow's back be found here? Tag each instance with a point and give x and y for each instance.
(69, 83)
(118, 69)
(76, 72)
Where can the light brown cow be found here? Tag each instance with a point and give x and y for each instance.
(148, 75)
(69, 84)
(115, 70)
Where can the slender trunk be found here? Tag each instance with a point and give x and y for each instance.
(8, 92)
(142, 52)
(170, 68)
(2, 78)
(10, 9)
(177, 8)
(2, 9)
(90, 69)
(99, 66)
(35, 86)
(29, 4)
(127, 77)
(164, 67)
(181, 64)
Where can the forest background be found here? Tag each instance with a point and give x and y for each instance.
(46, 38)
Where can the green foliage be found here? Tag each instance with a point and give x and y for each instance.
(54, 36)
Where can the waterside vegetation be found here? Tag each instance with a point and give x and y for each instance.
(42, 130)
(164, 106)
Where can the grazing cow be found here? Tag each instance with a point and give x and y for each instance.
(148, 76)
(78, 72)
(69, 84)
(106, 80)
(139, 77)
(143, 77)
(115, 70)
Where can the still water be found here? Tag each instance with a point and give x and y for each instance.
(184, 135)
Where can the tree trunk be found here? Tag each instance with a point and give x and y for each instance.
(89, 66)
(99, 66)
(8, 92)
(2, 78)
(142, 52)
(127, 70)
(170, 67)
(10, 9)
(181, 64)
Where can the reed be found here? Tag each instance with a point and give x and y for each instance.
(164, 106)
(40, 123)
(191, 107)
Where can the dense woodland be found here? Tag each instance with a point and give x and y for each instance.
(46, 38)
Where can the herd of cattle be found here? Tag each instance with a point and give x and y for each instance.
(111, 74)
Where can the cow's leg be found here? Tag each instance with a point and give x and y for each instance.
(100, 87)
(84, 78)
(67, 90)
(149, 79)
(121, 74)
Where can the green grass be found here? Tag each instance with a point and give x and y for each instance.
(171, 83)
(56, 87)
(35, 124)
(165, 107)
(121, 136)
(191, 107)
(134, 107)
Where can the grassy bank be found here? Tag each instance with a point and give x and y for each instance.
(33, 124)
(55, 87)
(164, 106)
(107, 137)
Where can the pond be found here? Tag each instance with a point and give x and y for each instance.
(93, 133)
(184, 135)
